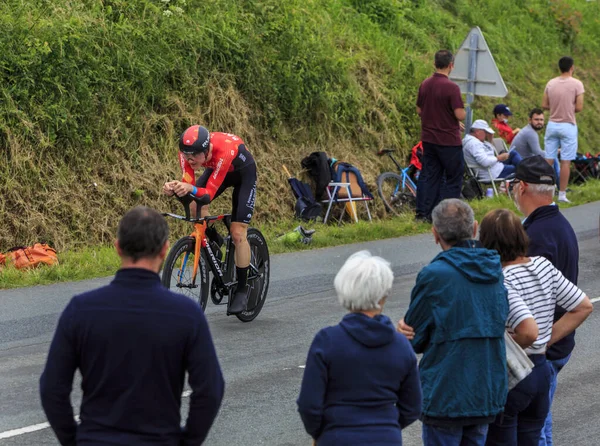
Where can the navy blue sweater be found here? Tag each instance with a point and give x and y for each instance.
(361, 384)
(551, 236)
(132, 341)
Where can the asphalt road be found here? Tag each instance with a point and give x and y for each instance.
(263, 360)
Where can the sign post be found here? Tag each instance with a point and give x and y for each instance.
(476, 73)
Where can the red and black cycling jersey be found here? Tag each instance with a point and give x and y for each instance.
(229, 154)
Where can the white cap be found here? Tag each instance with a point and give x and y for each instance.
(480, 124)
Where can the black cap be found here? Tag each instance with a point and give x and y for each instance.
(536, 170)
(502, 109)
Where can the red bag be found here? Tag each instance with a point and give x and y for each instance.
(29, 256)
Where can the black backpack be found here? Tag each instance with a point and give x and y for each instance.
(317, 165)
(472, 189)
(307, 208)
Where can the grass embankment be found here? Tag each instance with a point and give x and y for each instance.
(94, 93)
(103, 261)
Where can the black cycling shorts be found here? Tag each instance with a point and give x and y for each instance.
(244, 191)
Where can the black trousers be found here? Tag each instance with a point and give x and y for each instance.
(526, 409)
(440, 178)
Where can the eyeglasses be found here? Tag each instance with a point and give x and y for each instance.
(512, 185)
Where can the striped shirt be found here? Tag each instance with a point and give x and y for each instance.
(534, 289)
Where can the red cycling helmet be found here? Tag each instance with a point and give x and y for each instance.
(196, 139)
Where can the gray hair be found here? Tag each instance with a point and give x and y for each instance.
(453, 220)
(363, 281)
(542, 189)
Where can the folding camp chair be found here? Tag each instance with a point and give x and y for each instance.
(347, 198)
(499, 145)
(585, 167)
(472, 172)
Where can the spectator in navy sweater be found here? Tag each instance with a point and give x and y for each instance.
(361, 384)
(550, 236)
(133, 341)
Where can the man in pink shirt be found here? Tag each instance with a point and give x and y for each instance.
(563, 96)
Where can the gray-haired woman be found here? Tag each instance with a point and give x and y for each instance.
(361, 384)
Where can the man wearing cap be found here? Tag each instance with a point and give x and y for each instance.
(551, 236)
(501, 115)
(481, 155)
(563, 96)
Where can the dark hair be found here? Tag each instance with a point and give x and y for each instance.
(443, 59)
(142, 233)
(535, 111)
(502, 231)
(565, 64)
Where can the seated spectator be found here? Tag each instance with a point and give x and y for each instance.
(361, 382)
(481, 154)
(534, 288)
(456, 318)
(501, 116)
(527, 142)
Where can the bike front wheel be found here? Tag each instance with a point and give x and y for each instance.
(397, 195)
(178, 270)
(258, 275)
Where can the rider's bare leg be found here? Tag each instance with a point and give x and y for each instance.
(239, 235)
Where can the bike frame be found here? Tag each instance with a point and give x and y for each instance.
(406, 181)
(201, 243)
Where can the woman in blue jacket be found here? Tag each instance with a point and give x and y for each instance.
(361, 384)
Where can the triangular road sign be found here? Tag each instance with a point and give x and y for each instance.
(487, 79)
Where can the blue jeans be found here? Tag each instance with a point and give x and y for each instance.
(454, 436)
(557, 170)
(526, 409)
(510, 165)
(555, 367)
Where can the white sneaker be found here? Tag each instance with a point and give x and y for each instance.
(562, 197)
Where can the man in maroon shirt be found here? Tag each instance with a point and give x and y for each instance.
(440, 106)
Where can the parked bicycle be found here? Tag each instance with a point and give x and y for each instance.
(186, 268)
(397, 190)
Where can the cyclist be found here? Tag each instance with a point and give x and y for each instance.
(227, 164)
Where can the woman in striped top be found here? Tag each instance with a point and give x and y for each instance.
(534, 288)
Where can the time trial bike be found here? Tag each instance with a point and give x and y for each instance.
(186, 268)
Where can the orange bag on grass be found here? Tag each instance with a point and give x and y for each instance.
(23, 257)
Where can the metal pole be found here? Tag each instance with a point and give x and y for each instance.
(473, 46)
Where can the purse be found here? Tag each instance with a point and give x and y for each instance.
(518, 363)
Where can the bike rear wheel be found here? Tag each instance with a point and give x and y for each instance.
(398, 196)
(177, 274)
(258, 275)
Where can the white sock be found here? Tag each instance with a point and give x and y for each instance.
(562, 194)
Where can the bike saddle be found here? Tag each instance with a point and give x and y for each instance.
(385, 151)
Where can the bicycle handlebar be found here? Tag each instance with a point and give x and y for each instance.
(186, 200)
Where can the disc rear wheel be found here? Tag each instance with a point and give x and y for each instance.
(258, 275)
